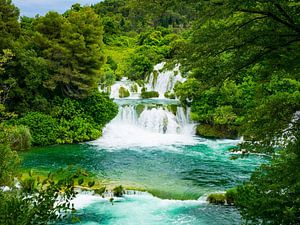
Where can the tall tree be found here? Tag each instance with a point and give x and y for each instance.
(9, 25)
(73, 47)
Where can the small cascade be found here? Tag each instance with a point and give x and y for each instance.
(133, 89)
(157, 120)
(152, 126)
(164, 81)
(160, 80)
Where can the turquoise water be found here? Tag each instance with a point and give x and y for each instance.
(168, 171)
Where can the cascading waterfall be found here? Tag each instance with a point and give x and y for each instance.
(154, 126)
(164, 81)
(160, 80)
(148, 122)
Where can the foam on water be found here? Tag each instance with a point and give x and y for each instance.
(145, 209)
(153, 127)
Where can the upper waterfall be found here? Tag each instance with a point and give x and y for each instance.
(160, 80)
(164, 81)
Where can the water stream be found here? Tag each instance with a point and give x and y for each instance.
(151, 145)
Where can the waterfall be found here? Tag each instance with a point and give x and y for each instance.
(148, 122)
(157, 120)
(153, 126)
(164, 81)
(159, 80)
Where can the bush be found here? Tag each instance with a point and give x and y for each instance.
(100, 108)
(43, 128)
(77, 130)
(139, 65)
(150, 94)
(231, 196)
(170, 95)
(19, 138)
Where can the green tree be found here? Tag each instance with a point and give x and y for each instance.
(272, 195)
(9, 25)
(72, 46)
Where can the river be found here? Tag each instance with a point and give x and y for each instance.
(151, 145)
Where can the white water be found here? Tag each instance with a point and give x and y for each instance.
(128, 85)
(153, 127)
(163, 82)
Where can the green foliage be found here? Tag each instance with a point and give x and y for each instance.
(43, 128)
(9, 26)
(189, 90)
(150, 94)
(99, 107)
(170, 95)
(216, 131)
(139, 66)
(19, 138)
(231, 195)
(72, 121)
(49, 200)
(100, 191)
(8, 163)
(272, 194)
(123, 92)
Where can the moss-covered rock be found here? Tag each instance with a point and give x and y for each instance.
(134, 88)
(217, 198)
(172, 108)
(231, 196)
(210, 131)
(139, 109)
(123, 92)
(100, 191)
(150, 94)
(118, 191)
(170, 95)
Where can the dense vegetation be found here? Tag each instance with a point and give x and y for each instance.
(245, 79)
(50, 67)
(243, 58)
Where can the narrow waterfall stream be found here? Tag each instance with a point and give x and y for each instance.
(151, 145)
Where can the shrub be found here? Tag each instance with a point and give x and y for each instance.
(100, 108)
(170, 95)
(43, 128)
(150, 94)
(19, 138)
(231, 196)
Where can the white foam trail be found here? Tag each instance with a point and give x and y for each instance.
(84, 199)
